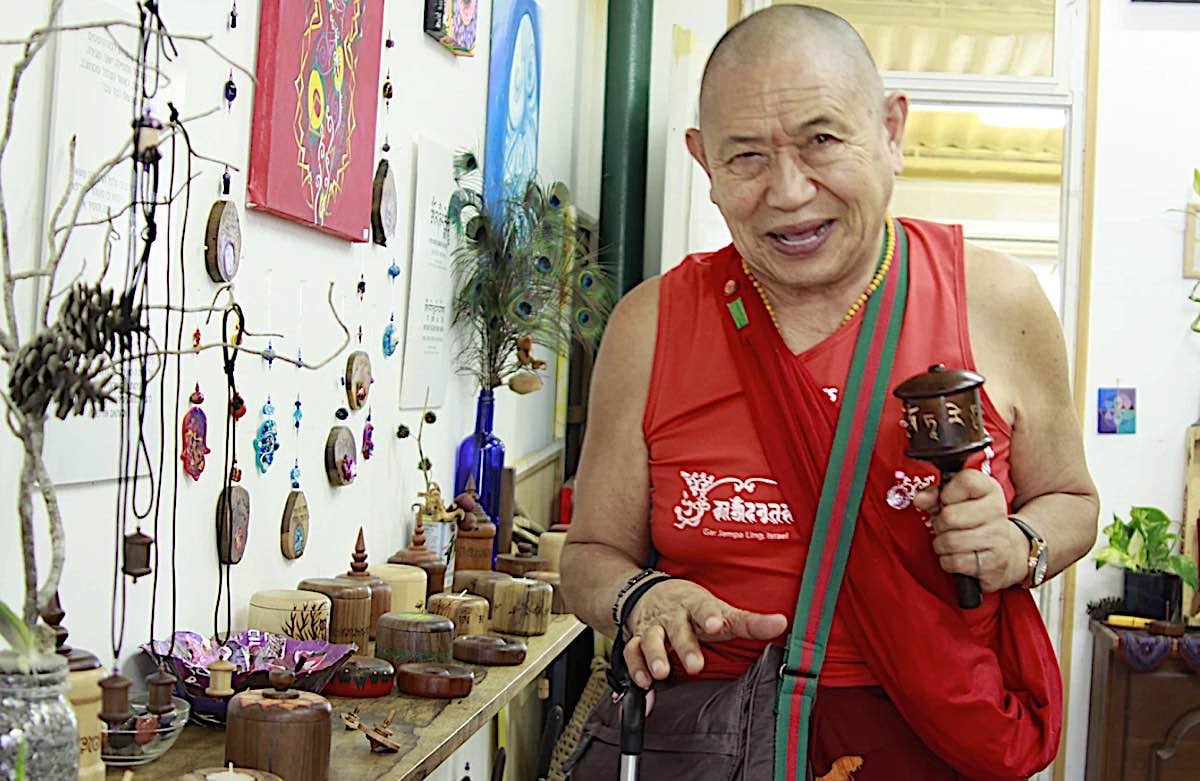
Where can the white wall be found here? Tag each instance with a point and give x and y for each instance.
(435, 94)
(1146, 149)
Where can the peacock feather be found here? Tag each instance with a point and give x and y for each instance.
(520, 272)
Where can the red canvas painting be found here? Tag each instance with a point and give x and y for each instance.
(313, 135)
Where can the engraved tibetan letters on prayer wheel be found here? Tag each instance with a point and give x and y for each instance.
(350, 611)
(468, 612)
(283, 731)
(943, 415)
(522, 607)
(381, 591)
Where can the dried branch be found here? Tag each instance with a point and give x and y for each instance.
(158, 72)
(111, 216)
(67, 288)
(34, 441)
(262, 353)
(17, 276)
(41, 33)
(32, 47)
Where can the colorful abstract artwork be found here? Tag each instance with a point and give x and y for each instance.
(1117, 411)
(313, 134)
(453, 24)
(514, 100)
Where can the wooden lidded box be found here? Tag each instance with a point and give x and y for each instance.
(517, 564)
(282, 731)
(303, 615)
(558, 605)
(468, 612)
(480, 582)
(414, 637)
(522, 607)
(350, 613)
(407, 582)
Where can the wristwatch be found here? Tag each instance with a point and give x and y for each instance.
(1039, 554)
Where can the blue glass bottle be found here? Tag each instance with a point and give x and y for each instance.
(481, 456)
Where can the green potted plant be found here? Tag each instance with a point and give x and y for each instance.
(1154, 576)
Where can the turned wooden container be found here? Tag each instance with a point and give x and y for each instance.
(473, 547)
(435, 577)
(431, 679)
(414, 637)
(205, 773)
(517, 564)
(558, 606)
(479, 582)
(280, 730)
(407, 582)
(84, 694)
(522, 607)
(350, 610)
(303, 615)
(468, 612)
(489, 650)
(550, 546)
(362, 676)
(381, 591)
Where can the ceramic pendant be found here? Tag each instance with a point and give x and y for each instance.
(341, 465)
(358, 379)
(393, 271)
(368, 439)
(383, 205)
(295, 475)
(389, 338)
(266, 441)
(230, 92)
(293, 532)
(195, 435)
(233, 524)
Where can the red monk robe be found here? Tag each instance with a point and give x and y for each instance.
(980, 688)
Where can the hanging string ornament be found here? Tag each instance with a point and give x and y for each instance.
(195, 436)
(368, 439)
(266, 440)
(233, 16)
(297, 414)
(230, 92)
(389, 337)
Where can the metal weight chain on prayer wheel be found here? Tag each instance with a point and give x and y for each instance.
(943, 417)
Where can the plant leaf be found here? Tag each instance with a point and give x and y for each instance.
(1185, 568)
(16, 633)
(1115, 557)
(1196, 180)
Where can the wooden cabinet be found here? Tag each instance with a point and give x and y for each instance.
(1142, 726)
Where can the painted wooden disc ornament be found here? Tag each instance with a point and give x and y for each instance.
(233, 524)
(341, 462)
(195, 437)
(358, 379)
(293, 532)
(383, 205)
(223, 242)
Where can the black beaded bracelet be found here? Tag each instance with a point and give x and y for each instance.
(629, 584)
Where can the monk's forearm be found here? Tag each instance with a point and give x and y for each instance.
(1068, 524)
(592, 574)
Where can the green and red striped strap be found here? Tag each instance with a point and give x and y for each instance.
(837, 512)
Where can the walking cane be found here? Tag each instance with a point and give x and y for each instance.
(633, 727)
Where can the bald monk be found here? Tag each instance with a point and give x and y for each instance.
(715, 400)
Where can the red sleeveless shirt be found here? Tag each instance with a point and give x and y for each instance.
(718, 517)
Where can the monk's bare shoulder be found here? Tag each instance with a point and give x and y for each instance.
(1015, 333)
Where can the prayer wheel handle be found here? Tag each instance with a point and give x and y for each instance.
(943, 417)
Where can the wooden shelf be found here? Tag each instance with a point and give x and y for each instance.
(429, 730)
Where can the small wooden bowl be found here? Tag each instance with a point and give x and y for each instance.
(362, 676)
(489, 650)
(426, 679)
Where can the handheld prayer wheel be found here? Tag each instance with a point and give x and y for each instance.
(468, 612)
(350, 609)
(381, 591)
(303, 615)
(476, 534)
(943, 416)
(517, 564)
(282, 731)
(136, 562)
(114, 706)
(408, 584)
(522, 607)
(414, 637)
(159, 685)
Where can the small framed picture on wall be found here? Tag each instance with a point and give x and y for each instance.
(1191, 242)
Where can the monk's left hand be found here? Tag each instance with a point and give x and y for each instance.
(970, 517)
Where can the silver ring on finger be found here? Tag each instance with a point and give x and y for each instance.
(978, 565)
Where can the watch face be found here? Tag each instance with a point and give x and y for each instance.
(1039, 571)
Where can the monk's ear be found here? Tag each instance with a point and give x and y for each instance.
(695, 145)
(895, 116)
